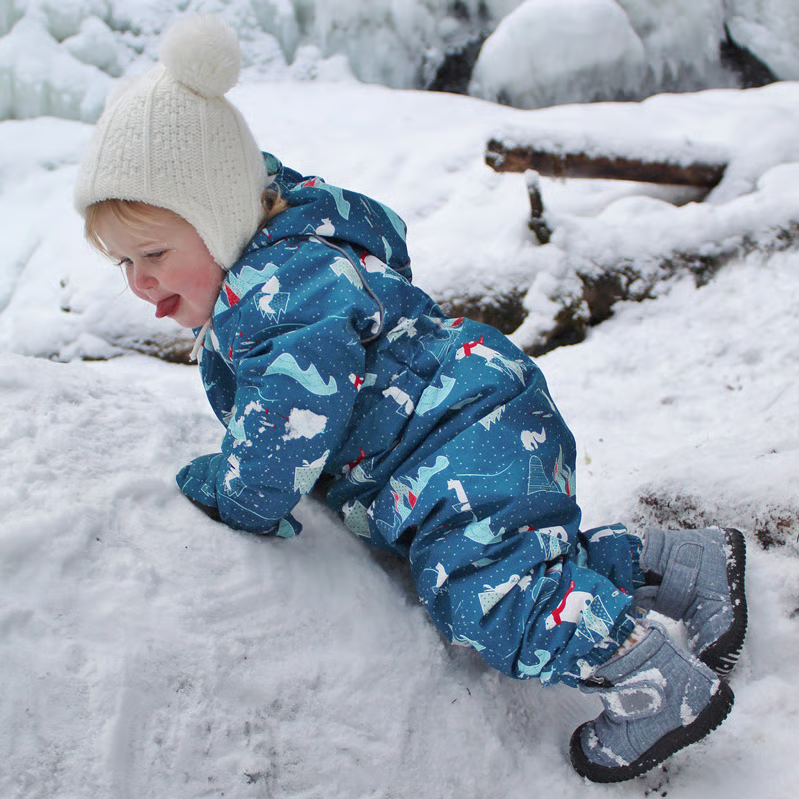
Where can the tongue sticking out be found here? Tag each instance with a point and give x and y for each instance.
(167, 307)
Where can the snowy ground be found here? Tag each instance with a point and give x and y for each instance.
(146, 651)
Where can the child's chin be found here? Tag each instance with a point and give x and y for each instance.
(191, 323)
(190, 317)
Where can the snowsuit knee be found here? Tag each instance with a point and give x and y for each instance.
(440, 437)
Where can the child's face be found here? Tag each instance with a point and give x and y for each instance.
(167, 264)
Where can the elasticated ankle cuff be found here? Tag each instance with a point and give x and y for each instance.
(652, 551)
(618, 668)
(599, 656)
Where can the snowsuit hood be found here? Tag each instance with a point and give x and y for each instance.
(334, 214)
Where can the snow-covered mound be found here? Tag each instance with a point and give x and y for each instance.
(549, 52)
(147, 651)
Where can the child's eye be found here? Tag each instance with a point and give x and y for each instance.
(124, 263)
(154, 256)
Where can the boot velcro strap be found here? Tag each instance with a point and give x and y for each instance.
(638, 699)
(679, 581)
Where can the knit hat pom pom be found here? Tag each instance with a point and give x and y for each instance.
(203, 53)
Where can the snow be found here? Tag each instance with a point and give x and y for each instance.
(681, 42)
(546, 52)
(384, 41)
(56, 55)
(146, 651)
(550, 51)
(40, 78)
(304, 424)
(767, 28)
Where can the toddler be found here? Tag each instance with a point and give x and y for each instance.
(435, 438)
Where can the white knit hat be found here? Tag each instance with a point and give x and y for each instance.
(170, 139)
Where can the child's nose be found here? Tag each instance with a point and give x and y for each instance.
(141, 279)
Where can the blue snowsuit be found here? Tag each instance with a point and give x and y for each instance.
(440, 437)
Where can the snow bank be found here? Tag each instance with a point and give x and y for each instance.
(468, 225)
(593, 231)
(56, 58)
(149, 652)
(707, 376)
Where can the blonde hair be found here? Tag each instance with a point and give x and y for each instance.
(138, 215)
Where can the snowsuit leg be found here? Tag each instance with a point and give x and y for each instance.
(496, 554)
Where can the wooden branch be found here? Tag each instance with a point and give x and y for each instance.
(537, 222)
(581, 165)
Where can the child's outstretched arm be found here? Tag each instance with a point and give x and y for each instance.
(295, 386)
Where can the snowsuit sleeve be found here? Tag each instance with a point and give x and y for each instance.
(293, 344)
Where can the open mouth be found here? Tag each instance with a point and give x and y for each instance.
(167, 307)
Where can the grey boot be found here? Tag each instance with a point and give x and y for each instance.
(701, 582)
(658, 699)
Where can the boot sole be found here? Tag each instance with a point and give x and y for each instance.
(722, 655)
(716, 711)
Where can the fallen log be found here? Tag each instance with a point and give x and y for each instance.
(548, 163)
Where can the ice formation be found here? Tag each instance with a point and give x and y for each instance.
(59, 57)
